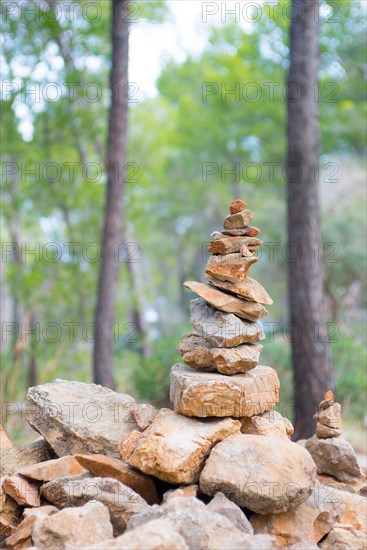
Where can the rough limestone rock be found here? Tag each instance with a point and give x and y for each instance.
(228, 245)
(21, 490)
(4, 439)
(105, 466)
(330, 417)
(344, 539)
(121, 501)
(238, 220)
(334, 456)
(249, 289)
(80, 418)
(237, 206)
(202, 394)
(264, 474)
(128, 443)
(231, 267)
(158, 534)
(10, 513)
(53, 469)
(174, 447)
(222, 329)
(182, 491)
(202, 528)
(221, 505)
(252, 311)
(199, 354)
(22, 535)
(324, 432)
(355, 511)
(249, 231)
(268, 423)
(73, 528)
(144, 415)
(12, 459)
(310, 521)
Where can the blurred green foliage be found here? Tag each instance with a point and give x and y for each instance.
(171, 208)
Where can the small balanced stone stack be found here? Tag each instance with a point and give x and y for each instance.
(332, 454)
(219, 378)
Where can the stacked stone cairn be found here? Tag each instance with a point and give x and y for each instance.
(223, 352)
(333, 455)
(218, 471)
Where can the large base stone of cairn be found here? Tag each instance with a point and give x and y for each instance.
(202, 394)
(334, 456)
(264, 474)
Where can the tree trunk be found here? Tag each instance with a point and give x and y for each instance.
(32, 365)
(310, 350)
(112, 232)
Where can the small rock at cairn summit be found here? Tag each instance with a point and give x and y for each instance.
(332, 454)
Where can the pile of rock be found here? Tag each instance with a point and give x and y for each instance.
(225, 345)
(332, 454)
(219, 471)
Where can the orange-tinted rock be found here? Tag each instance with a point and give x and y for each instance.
(248, 231)
(252, 311)
(239, 220)
(268, 423)
(231, 267)
(324, 432)
(128, 444)
(199, 354)
(310, 521)
(249, 289)
(330, 416)
(21, 490)
(22, 535)
(7, 526)
(237, 206)
(253, 232)
(103, 466)
(183, 491)
(210, 394)
(228, 245)
(144, 415)
(174, 447)
(4, 439)
(53, 469)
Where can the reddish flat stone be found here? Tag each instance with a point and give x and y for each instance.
(128, 444)
(104, 466)
(21, 490)
(237, 206)
(53, 469)
(248, 288)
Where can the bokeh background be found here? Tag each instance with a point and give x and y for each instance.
(54, 135)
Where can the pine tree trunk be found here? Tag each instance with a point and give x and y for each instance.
(310, 350)
(112, 232)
